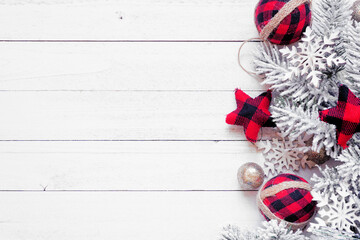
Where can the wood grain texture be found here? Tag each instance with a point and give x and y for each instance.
(127, 20)
(125, 166)
(139, 165)
(113, 216)
(118, 116)
(125, 66)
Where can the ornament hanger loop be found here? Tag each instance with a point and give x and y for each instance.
(239, 60)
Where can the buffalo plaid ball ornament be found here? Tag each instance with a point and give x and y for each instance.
(287, 197)
(282, 21)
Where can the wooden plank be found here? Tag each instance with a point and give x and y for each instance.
(125, 66)
(118, 116)
(114, 215)
(127, 20)
(123, 165)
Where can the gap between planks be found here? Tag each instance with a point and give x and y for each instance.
(118, 140)
(139, 90)
(130, 190)
(121, 41)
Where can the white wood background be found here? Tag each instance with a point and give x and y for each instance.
(113, 119)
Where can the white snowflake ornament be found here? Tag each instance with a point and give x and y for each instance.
(313, 56)
(338, 210)
(280, 153)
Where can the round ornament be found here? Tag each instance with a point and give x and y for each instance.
(287, 197)
(282, 21)
(250, 176)
(356, 11)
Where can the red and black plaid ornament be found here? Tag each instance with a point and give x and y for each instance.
(345, 116)
(287, 197)
(251, 113)
(282, 21)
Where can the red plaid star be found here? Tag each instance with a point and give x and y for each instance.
(345, 116)
(251, 113)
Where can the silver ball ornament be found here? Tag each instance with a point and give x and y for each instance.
(356, 11)
(250, 176)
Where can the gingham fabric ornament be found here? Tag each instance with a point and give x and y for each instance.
(287, 197)
(251, 113)
(345, 116)
(282, 21)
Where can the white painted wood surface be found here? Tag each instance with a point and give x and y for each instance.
(127, 20)
(123, 215)
(138, 165)
(124, 115)
(124, 66)
(112, 119)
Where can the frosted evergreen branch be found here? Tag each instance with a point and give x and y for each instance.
(326, 233)
(329, 16)
(336, 192)
(272, 230)
(294, 120)
(330, 181)
(350, 169)
(286, 78)
(313, 56)
(235, 233)
(351, 75)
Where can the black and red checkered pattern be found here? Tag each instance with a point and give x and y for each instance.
(251, 113)
(294, 205)
(345, 116)
(290, 28)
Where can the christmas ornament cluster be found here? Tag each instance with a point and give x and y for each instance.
(313, 107)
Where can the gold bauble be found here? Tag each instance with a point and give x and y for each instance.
(250, 176)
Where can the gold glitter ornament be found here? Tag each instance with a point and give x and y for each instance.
(250, 176)
(356, 11)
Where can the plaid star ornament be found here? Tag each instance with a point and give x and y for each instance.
(251, 113)
(345, 116)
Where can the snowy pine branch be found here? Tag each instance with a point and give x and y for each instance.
(304, 73)
(350, 169)
(351, 75)
(329, 16)
(326, 233)
(294, 120)
(272, 230)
